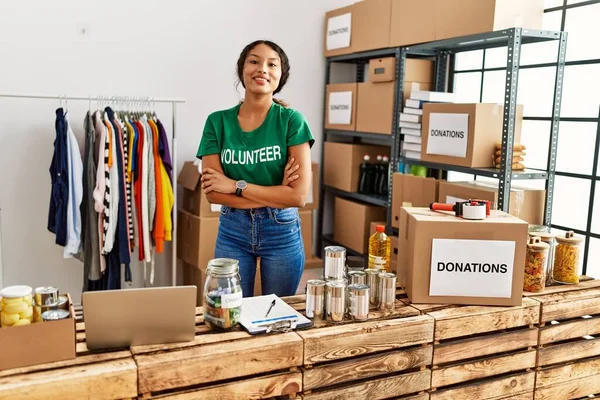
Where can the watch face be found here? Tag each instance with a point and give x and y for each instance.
(241, 185)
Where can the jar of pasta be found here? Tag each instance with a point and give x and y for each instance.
(566, 259)
(536, 261)
(17, 306)
(549, 239)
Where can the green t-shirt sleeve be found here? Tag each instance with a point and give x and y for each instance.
(298, 130)
(209, 143)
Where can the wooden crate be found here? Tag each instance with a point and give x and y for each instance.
(219, 365)
(385, 357)
(483, 352)
(98, 375)
(569, 341)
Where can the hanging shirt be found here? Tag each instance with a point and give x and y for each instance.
(112, 198)
(158, 229)
(151, 173)
(145, 195)
(102, 173)
(59, 178)
(138, 189)
(75, 166)
(168, 200)
(165, 153)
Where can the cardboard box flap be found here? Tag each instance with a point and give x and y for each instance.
(189, 176)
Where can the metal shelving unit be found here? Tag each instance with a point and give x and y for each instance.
(443, 52)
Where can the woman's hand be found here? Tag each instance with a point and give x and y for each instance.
(288, 173)
(213, 181)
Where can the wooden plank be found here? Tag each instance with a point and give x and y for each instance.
(366, 367)
(339, 342)
(483, 346)
(469, 320)
(400, 311)
(480, 369)
(571, 351)
(107, 380)
(569, 330)
(584, 283)
(202, 339)
(427, 308)
(571, 309)
(572, 389)
(422, 396)
(565, 373)
(218, 361)
(521, 396)
(79, 360)
(492, 389)
(257, 388)
(375, 389)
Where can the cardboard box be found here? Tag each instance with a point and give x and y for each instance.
(312, 201)
(342, 163)
(467, 17)
(194, 200)
(362, 26)
(412, 22)
(352, 223)
(340, 106)
(525, 203)
(38, 343)
(313, 263)
(382, 69)
(418, 76)
(193, 275)
(464, 134)
(411, 191)
(196, 238)
(306, 221)
(375, 107)
(394, 245)
(448, 260)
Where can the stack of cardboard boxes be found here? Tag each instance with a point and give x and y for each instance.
(198, 226)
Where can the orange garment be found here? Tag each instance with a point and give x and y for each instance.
(158, 231)
(109, 135)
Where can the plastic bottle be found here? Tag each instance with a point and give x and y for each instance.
(384, 181)
(378, 175)
(363, 182)
(379, 249)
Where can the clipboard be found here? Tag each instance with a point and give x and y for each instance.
(281, 318)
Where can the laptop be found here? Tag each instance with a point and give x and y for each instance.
(133, 317)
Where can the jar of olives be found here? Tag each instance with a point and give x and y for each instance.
(16, 306)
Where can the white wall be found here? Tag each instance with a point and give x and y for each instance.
(154, 48)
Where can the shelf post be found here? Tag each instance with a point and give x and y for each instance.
(508, 118)
(321, 209)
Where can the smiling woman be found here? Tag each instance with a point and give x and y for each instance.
(256, 163)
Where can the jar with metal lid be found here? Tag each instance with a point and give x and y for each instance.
(222, 294)
(17, 306)
(536, 260)
(566, 259)
(549, 239)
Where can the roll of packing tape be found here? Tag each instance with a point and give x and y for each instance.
(474, 211)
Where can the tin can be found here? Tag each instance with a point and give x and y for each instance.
(39, 310)
(357, 277)
(46, 296)
(373, 282)
(335, 263)
(63, 302)
(336, 300)
(359, 302)
(315, 298)
(55, 315)
(387, 291)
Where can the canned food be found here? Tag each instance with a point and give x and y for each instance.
(387, 291)
(39, 310)
(17, 308)
(46, 296)
(373, 282)
(357, 277)
(335, 262)
(55, 315)
(63, 302)
(359, 301)
(336, 300)
(315, 298)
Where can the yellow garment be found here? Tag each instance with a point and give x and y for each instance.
(130, 150)
(168, 201)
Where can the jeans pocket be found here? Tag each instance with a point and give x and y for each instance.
(285, 216)
(224, 210)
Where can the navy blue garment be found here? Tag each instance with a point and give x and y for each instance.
(59, 176)
(122, 235)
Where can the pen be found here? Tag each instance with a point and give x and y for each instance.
(270, 308)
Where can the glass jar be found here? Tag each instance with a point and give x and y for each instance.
(566, 259)
(549, 239)
(536, 264)
(17, 306)
(222, 294)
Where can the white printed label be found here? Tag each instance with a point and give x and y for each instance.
(232, 300)
(376, 262)
(448, 134)
(215, 207)
(472, 268)
(340, 108)
(338, 31)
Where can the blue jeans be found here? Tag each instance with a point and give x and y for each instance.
(274, 235)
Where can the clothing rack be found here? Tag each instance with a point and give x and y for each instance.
(132, 100)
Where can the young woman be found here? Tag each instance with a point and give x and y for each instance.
(256, 163)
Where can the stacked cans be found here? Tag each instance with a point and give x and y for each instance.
(49, 305)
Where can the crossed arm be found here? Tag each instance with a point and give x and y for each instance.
(292, 192)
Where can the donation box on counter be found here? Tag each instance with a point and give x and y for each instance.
(447, 259)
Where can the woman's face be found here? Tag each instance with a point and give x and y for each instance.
(262, 70)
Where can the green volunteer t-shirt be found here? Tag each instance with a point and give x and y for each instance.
(258, 156)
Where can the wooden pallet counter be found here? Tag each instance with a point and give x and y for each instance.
(93, 375)
(483, 352)
(569, 341)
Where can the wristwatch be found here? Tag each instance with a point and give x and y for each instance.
(239, 186)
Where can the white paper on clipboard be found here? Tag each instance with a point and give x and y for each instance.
(254, 310)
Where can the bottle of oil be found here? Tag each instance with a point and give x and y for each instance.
(379, 249)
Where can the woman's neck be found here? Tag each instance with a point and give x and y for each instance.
(253, 104)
